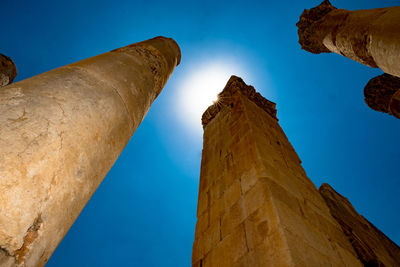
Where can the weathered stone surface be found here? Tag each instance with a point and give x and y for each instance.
(370, 37)
(308, 27)
(379, 94)
(8, 70)
(372, 246)
(61, 133)
(257, 189)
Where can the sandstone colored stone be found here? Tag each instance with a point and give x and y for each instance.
(372, 246)
(8, 70)
(229, 249)
(232, 194)
(283, 218)
(380, 94)
(202, 204)
(217, 209)
(258, 226)
(203, 222)
(370, 37)
(61, 133)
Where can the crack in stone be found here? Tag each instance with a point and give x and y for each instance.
(62, 110)
(245, 237)
(61, 135)
(35, 139)
(20, 118)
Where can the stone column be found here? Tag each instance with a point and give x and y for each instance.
(371, 37)
(382, 93)
(61, 132)
(8, 70)
(256, 206)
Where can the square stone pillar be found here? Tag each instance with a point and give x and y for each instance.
(256, 205)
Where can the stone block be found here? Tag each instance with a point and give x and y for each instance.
(231, 248)
(217, 209)
(232, 194)
(257, 196)
(233, 216)
(202, 203)
(217, 189)
(202, 223)
(257, 225)
(248, 179)
(211, 237)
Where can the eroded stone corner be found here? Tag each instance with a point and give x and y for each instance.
(17, 257)
(29, 238)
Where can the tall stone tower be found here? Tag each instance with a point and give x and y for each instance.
(256, 205)
(61, 131)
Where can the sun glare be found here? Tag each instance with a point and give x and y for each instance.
(201, 87)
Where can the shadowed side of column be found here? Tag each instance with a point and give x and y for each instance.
(8, 70)
(382, 93)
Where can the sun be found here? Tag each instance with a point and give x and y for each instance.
(201, 86)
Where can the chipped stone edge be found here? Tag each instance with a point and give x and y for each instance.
(308, 25)
(18, 255)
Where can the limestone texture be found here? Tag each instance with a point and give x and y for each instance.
(256, 205)
(370, 37)
(61, 132)
(8, 70)
(372, 246)
(380, 94)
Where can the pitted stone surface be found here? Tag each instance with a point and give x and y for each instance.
(380, 91)
(308, 26)
(8, 70)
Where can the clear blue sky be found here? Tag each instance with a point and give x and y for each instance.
(143, 214)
